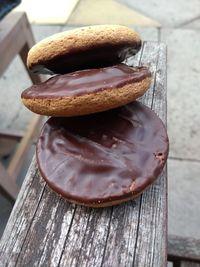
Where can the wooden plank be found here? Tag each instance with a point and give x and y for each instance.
(11, 134)
(16, 38)
(11, 29)
(152, 227)
(60, 214)
(121, 226)
(21, 216)
(181, 248)
(131, 234)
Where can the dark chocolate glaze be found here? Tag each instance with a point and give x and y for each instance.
(105, 156)
(89, 57)
(87, 81)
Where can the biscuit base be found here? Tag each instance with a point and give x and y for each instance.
(83, 43)
(101, 204)
(88, 103)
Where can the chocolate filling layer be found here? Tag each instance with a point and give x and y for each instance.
(87, 81)
(88, 57)
(103, 157)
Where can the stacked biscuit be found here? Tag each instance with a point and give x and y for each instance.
(100, 147)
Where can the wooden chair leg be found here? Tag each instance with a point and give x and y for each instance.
(19, 156)
(11, 134)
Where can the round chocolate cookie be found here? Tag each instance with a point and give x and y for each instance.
(83, 48)
(103, 159)
(87, 91)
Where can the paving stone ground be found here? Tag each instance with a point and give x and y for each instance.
(184, 192)
(180, 26)
(169, 13)
(183, 92)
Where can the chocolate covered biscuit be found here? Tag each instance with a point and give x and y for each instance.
(87, 91)
(103, 159)
(83, 48)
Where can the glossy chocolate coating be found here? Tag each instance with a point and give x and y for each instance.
(105, 156)
(86, 58)
(87, 81)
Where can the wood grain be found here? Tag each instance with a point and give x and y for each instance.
(152, 225)
(45, 230)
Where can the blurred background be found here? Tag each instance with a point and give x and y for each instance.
(176, 23)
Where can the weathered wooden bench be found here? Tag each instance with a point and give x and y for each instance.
(44, 230)
(16, 38)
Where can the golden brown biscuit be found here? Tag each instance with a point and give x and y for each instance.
(87, 91)
(82, 48)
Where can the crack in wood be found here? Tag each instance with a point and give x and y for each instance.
(88, 219)
(67, 235)
(29, 226)
(106, 242)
